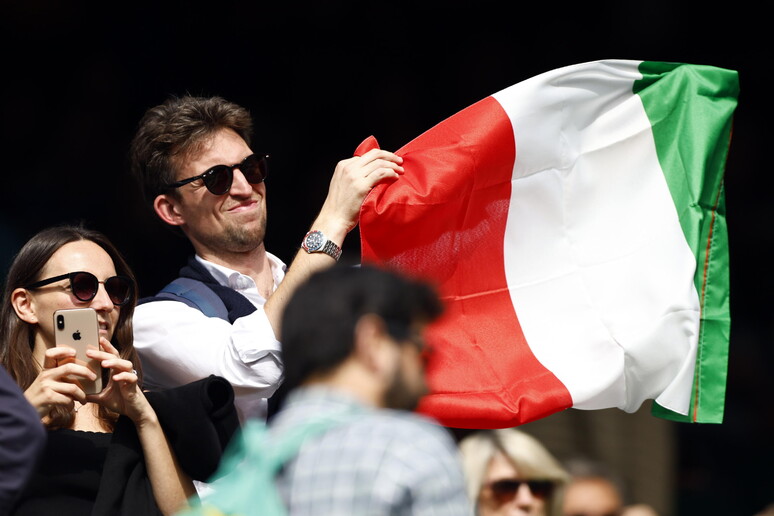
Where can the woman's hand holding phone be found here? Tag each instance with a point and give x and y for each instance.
(122, 394)
(58, 383)
(54, 384)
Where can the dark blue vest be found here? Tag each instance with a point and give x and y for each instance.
(198, 289)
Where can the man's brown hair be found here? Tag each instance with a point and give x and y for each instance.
(177, 130)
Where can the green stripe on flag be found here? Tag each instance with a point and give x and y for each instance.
(690, 108)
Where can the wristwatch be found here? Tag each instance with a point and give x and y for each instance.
(316, 242)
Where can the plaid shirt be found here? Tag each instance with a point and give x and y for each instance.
(383, 462)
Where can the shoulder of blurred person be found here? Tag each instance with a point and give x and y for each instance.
(22, 439)
(404, 462)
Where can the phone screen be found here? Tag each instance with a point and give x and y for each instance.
(78, 328)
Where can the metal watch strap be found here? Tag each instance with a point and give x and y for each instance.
(332, 250)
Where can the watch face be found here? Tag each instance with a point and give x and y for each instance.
(314, 240)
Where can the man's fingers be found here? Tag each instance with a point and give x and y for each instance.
(383, 166)
(375, 154)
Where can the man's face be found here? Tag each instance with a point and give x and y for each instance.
(408, 383)
(234, 222)
(592, 497)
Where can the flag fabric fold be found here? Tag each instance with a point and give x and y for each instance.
(574, 224)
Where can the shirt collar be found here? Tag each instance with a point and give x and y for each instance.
(236, 280)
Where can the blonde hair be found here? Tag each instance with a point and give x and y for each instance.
(530, 458)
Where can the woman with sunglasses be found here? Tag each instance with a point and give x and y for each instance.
(73, 267)
(509, 473)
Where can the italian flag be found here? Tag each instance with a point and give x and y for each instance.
(574, 225)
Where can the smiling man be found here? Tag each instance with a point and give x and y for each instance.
(194, 161)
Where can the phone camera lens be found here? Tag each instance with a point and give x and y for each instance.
(60, 322)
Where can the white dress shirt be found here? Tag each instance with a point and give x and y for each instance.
(178, 344)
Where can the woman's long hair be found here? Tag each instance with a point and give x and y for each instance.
(17, 338)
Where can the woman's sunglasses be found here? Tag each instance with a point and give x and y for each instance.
(84, 286)
(503, 491)
(218, 179)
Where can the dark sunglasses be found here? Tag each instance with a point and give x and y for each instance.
(218, 179)
(84, 286)
(503, 491)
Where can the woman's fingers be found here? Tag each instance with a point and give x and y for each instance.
(123, 379)
(64, 371)
(53, 369)
(110, 361)
(53, 398)
(109, 358)
(65, 392)
(108, 346)
(54, 355)
(128, 377)
(57, 387)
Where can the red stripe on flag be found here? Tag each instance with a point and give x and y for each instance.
(444, 221)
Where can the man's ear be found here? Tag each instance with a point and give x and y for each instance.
(372, 343)
(24, 305)
(167, 208)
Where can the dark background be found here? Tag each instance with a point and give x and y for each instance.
(319, 78)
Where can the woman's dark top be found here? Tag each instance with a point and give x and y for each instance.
(96, 474)
(68, 475)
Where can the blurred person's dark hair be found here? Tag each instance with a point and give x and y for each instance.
(319, 321)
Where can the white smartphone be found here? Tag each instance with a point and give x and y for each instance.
(78, 328)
